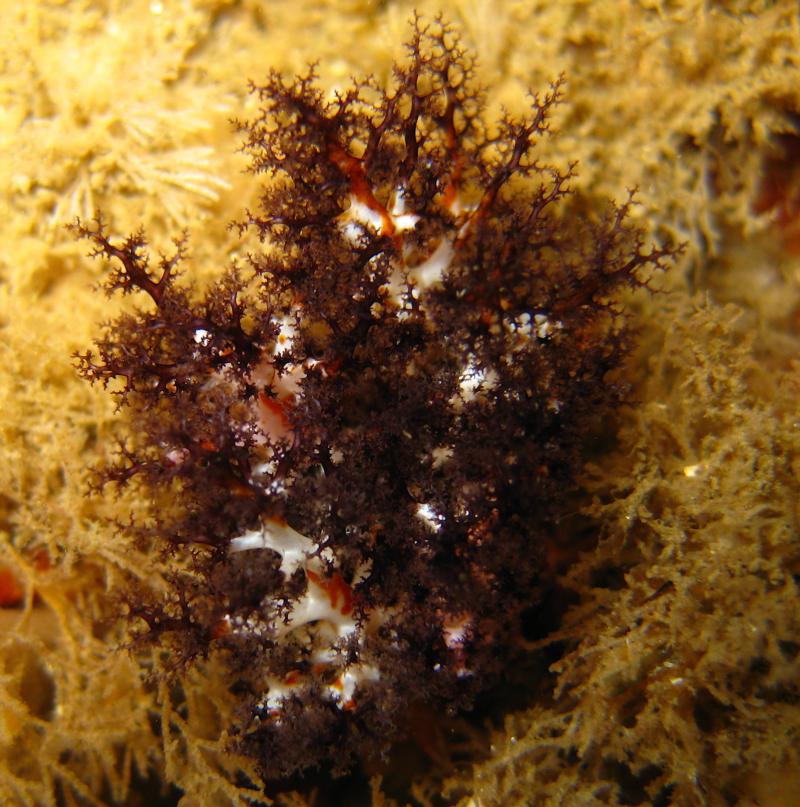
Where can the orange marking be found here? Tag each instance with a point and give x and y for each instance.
(41, 560)
(279, 521)
(11, 592)
(335, 587)
(334, 365)
(240, 490)
(338, 685)
(274, 407)
(451, 191)
(352, 168)
(779, 194)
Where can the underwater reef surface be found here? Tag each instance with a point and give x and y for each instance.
(662, 667)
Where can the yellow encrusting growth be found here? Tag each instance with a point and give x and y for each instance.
(681, 655)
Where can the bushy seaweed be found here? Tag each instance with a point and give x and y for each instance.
(369, 430)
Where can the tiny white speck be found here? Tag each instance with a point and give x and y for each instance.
(430, 517)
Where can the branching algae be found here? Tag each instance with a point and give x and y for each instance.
(367, 431)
